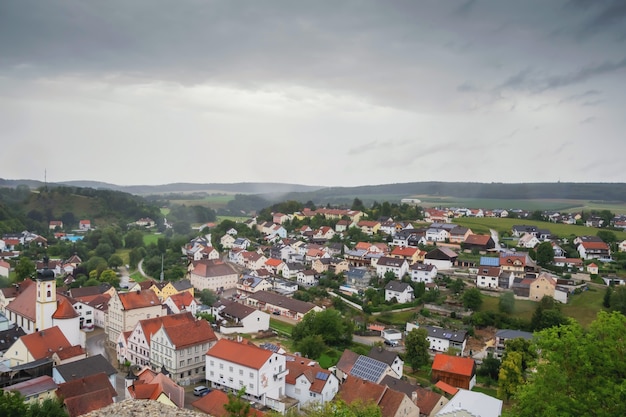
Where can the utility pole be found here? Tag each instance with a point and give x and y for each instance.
(161, 268)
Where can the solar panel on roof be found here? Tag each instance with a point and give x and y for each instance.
(368, 369)
(321, 376)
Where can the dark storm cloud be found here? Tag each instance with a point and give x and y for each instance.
(601, 16)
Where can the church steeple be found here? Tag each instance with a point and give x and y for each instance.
(46, 303)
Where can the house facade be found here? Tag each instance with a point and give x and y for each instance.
(401, 291)
(127, 309)
(423, 273)
(234, 365)
(180, 349)
(213, 275)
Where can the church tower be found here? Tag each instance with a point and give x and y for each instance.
(46, 303)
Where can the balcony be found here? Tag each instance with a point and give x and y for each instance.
(280, 374)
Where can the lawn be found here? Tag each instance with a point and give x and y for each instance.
(151, 238)
(581, 307)
(585, 306)
(281, 327)
(137, 277)
(483, 224)
(397, 319)
(329, 358)
(124, 254)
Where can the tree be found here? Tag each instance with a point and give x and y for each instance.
(456, 286)
(12, 404)
(510, 376)
(104, 250)
(25, 268)
(618, 299)
(237, 406)
(547, 314)
(136, 255)
(48, 408)
(115, 261)
(523, 347)
(606, 301)
(417, 345)
(133, 239)
(357, 204)
(607, 236)
(110, 277)
(545, 253)
(207, 297)
(311, 346)
(472, 299)
(490, 367)
(579, 372)
(336, 331)
(506, 303)
(336, 408)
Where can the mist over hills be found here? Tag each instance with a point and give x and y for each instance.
(613, 192)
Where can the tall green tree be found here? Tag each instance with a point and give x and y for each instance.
(547, 314)
(336, 330)
(545, 253)
(580, 372)
(416, 347)
(472, 299)
(12, 404)
(48, 408)
(237, 406)
(25, 268)
(618, 299)
(511, 375)
(506, 303)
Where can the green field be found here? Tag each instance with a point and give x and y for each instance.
(280, 326)
(214, 201)
(483, 224)
(524, 309)
(236, 219)
(151, 238)
(523, 204)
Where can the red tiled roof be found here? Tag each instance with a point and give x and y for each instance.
(404, 251)
(347, 360)
(138, 299)
(44, 343)
(87, 394)
(212, 268)
(477, 239)
(273, 262)
(447, 388)
(355, 389)
(454, 364)
(595, 245)
(64, 310)
(213, 404)
(4, 264)
(70, 352)
(243, 354)
(300, 366)
(151, 326)
(25, 302)
(91, 401)
(190, 334)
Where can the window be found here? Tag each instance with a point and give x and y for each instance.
(251, 386)
(212, 373)
(211, 363)
(221, 366)
(230, 380)
(189, 361)
(241, 372)
(182, 363)
(251, 375)
(241, 382)
(230, 369)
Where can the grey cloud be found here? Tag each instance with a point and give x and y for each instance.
(601, 16)
(466, 86)
(580, 96)
(588, 120)
(465, 8)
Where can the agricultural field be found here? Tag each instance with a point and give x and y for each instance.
(483, 224)
(150, 238)
(213, 201)
(236, 219)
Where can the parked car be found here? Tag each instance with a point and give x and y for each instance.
(201, 391)
(392, 343)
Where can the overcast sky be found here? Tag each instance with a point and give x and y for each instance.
(313, 92)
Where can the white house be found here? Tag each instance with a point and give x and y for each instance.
(243, 319)
(401, 291)
(234, 365)
(227, 241)
(423, 273)
(5, 267)
(528, 240)
(181, 302)
(442, 340)
(437, 234)
(307, 278)
(487, 276)
(308, 382)
(387, 264)
(622, 246)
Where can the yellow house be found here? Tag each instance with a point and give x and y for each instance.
(543, 286)
(36, 389)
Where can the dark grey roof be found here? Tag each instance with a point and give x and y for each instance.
(383, 355)
(237, 310)
(182, 285)
(356, 273)
(389, 261)
(513, 334)
(421, 267)
(10, 336)
(398, 286)
(453, 335)
(281, 301)
(91, 365)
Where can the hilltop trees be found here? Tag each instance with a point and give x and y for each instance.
(579, 372)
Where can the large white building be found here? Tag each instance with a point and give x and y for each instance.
(233, 365)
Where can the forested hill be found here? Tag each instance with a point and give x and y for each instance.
(22, 208)
(572, 191)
